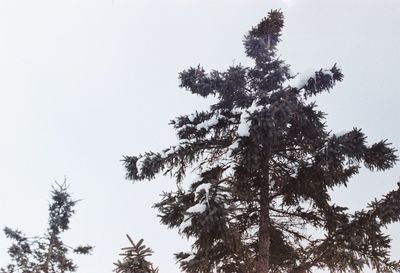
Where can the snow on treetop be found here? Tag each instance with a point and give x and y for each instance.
(302, 79)
(203, 187)
(233, 147)
(244, 126)
(189, 258)
(140, 162)
(191, 117)
(187, 222)
(210, 122)
(198, 208)
(243, 129)
(184, 142)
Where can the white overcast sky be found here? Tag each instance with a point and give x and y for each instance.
(84, 82)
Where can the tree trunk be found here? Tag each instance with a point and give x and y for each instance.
(49, 254)
(264, 239)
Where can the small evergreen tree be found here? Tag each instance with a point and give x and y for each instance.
(47, 253)
(135, 259)
(266, 164)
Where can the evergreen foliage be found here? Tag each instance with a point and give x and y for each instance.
(47, 253)
(135, 259)
(266, 165)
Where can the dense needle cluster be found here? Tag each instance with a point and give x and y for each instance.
(265, 164)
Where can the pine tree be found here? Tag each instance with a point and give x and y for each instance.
(135, 259)
(266, 164)
(47, 253)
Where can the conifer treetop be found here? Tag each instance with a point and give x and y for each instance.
(266, 164)
(47, 253)
(135, 259)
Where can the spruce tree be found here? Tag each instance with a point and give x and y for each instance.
(47, 253)
(135, 259)
(266, 164)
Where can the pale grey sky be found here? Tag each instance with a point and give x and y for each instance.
(83, 82)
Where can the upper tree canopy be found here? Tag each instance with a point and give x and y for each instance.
(47, 253)
(266, 163)
(135, 259)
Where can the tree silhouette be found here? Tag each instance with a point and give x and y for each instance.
(46, 253)
(135, 259)
(266, 164)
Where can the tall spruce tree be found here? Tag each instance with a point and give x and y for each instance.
(266, 164)
(47, 253)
